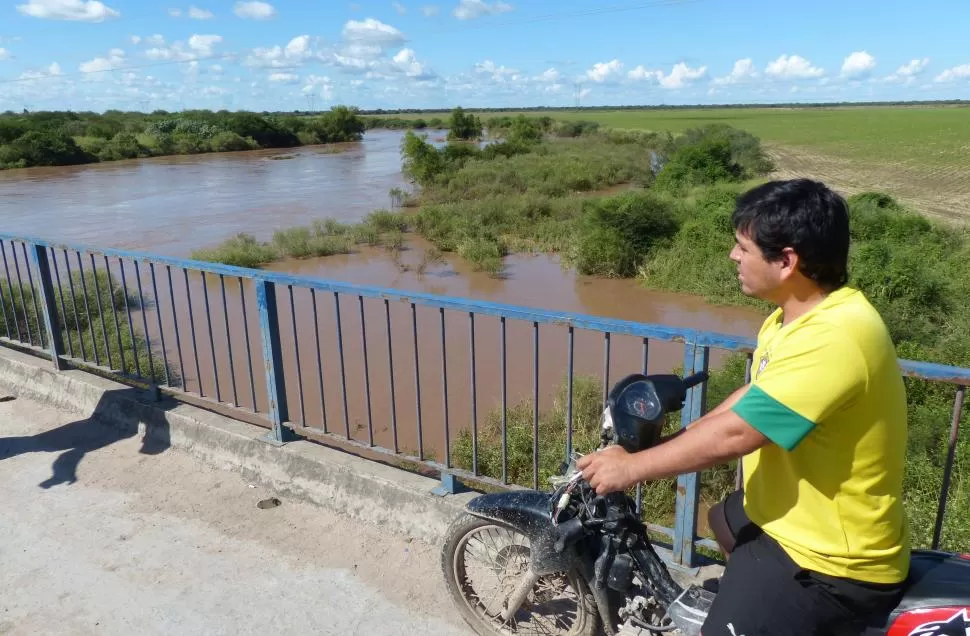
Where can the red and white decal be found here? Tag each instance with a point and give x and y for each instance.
(941, 621)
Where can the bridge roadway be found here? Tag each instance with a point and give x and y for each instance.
(144, 543)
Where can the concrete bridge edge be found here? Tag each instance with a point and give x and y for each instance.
(388, 497)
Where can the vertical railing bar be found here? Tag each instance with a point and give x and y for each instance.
(296, 349)
(606, 366)
(535, 405)
(13, 304)
(471, 335)
(97, 293)
(569, 394)
(343, 369)
(131, 326)
(60, 290)
(23, 299)
(40, 260)
(390, 370)
(158, 316)
(212, 340)
(444, 392)
(195, 348)
(417, 380)
(175, 323)
(144, 322)
(225, 315)
(111, 286)
(316, 332)
(33, 294)
(948, 467)
(696, 359)
(6, 321)
(505, 405)
(77, 321)
(363, 340)
(87, 309)
(646, 351)
(272, 350)
(249, 353)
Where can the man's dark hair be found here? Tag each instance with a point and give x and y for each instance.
(804, 215)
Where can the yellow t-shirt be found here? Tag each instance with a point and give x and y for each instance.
(828, 391)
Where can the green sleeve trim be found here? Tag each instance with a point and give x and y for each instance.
(773, 419)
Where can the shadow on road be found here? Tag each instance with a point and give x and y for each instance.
(76, 439)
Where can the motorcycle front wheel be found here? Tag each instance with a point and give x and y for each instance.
(484, 560)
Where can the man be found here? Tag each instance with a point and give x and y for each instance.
(817, 538)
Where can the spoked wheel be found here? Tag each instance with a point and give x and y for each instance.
(483, 563)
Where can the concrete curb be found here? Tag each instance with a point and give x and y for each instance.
(372, 492)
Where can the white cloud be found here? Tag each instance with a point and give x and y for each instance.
(498, 73)
(471, 9)
(199, 46)
(254, 10)
(77, 10)
(400, 8)
(371, 31)
(321, 86)
(155, 40)
(51, 71)
(908, 72)
(605, 71)
(175, 13)
(115, 59)
(549, 75)
(135, 39)
(294, 53)
(429, 10)
(794, 67)
(743, 71)
(203, 44)
(407, 62)
(680, 75)
(284, 78)
(4, 53)
(200, 14)
(956, 73)
(858, 64)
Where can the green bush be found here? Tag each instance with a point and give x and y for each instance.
(36, 148)
(617, 233)
(704, 163)
(464, 126)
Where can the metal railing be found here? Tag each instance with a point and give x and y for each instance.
(276, 347)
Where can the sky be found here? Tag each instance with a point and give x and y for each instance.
(313, 54)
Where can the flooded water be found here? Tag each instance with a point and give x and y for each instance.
(173, 205)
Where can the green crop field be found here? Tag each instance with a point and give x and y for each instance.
(921, 155)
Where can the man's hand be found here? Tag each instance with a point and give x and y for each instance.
(609, 470)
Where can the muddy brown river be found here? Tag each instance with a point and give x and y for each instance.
(173, 205)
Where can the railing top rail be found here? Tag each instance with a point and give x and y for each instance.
(930, 371)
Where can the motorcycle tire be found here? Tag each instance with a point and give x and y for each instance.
(587, 617)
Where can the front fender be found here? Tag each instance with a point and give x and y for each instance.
(527, 511)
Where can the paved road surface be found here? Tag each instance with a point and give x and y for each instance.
(145, 543)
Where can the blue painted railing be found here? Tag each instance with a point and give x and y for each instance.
(119, 293)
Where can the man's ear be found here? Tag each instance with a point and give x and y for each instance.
(788, 262)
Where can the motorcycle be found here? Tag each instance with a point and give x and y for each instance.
(540, 545)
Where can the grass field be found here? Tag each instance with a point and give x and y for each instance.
(920, 155)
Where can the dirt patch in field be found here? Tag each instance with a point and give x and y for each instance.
(939, 191)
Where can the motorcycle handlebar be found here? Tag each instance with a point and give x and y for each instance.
(694, 380)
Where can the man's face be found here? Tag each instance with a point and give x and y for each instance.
(758, 277)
